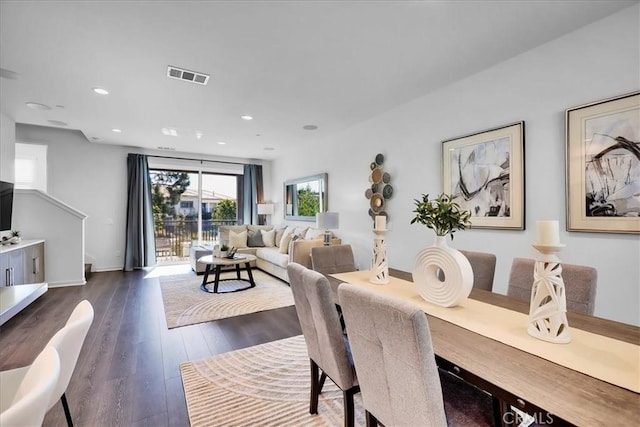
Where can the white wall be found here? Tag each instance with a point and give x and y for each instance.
(93, 179)
(7, 147)
(598, 61)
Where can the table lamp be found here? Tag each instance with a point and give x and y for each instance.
(327, 221)
(265, 209)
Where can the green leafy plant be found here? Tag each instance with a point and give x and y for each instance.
(441, 214)
(15, 233)
(224, 248)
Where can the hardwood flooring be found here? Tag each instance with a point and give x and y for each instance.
(128, 371)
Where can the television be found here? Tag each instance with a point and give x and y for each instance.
(6, 205)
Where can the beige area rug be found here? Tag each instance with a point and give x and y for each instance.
(185, 304)
(264, 385)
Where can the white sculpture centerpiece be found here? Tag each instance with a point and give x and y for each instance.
(443, 275)
(379, 266)
(548, 308)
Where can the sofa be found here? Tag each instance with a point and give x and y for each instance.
(274, 246)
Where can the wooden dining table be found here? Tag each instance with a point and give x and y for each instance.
(551, 393)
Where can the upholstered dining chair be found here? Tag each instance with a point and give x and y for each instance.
(25, 402)
(483, 265)
(326, 344)
(580, 284)
(392, 352)
(331, 260)
(68, 342)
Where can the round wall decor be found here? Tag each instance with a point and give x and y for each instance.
(380, 189)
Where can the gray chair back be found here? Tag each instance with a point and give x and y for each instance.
(483, 265)
(580, 284)
(320, 325)
(392, 351)
(333, 259)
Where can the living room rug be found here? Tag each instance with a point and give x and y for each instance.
(264, 385)
(185, 304)
(269, 385)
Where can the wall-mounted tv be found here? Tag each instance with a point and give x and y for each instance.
(6, 205)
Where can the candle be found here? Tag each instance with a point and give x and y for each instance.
(548, 233)
(381, 222)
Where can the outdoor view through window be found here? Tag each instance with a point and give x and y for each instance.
(186, 214)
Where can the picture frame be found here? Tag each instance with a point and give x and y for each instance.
(603, 165)
(484, 172)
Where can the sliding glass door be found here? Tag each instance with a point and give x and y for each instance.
(188, 208)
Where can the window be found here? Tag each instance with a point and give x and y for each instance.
(186, 204)
(31, 167)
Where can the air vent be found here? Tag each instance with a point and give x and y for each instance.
(186, 75)
(167, 148)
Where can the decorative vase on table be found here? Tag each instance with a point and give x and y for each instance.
(442, 274)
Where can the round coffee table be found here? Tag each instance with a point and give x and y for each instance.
(212, 262)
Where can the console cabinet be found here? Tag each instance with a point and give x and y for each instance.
(22, 263)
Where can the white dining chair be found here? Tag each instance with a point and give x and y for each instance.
(30, 396)
(68, 342)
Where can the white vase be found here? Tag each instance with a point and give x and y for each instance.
(443, 275)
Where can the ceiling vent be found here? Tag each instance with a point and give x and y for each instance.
(190, 76)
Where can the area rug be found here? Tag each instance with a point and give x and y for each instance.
(264, 385)
(268, 385)
(185, 304)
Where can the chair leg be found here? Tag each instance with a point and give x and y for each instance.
(67, 413)
(315, 388)
(370, 419)
(349, 413)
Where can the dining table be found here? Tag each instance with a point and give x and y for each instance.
(547, 390)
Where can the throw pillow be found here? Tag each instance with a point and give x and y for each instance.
(268, 238)
(287, 232)
(284, 244)
(254, 239)
(279, 234)
(237, 240)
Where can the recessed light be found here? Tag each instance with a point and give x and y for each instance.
(38, 106)
(100, 91)
(116, 130)
(57, 122)
(309, 127)
(95, 138)
(221, 143)
(170, 131)
(246, 117)
(199, 134)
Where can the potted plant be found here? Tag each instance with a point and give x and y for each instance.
(223, 250)
(441, 214)
(15, 237)
(443, 275)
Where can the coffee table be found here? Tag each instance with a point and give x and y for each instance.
(212, 262)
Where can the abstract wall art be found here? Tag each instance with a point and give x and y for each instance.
(484, 171)
(603, 165)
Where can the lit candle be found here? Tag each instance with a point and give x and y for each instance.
(548, 233)
(381, 222)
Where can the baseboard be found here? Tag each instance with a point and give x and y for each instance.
(63, 284)
(105, 269)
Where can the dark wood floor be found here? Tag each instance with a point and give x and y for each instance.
(128, 371)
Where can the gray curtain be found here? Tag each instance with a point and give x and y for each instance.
(140, 247)
(252, 193)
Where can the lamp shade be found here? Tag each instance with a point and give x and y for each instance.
(265, 208)
(327, 220)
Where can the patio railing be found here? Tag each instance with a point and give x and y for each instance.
(174, 237)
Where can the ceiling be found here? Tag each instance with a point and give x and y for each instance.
(288, 64)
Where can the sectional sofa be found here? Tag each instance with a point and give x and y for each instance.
(274, 246)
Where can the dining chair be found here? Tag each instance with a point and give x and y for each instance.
(68, 342)
(483, 265)
(331, 260)
(394, 359)
(30, 396)
(327, 346)
(580, 284)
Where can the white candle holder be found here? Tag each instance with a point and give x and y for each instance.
(548, 309)
(379, 267)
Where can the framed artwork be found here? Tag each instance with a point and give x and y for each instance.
(484, 172)
(603, 165)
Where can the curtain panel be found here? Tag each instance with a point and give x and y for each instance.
(140, 248)
(252, 193)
